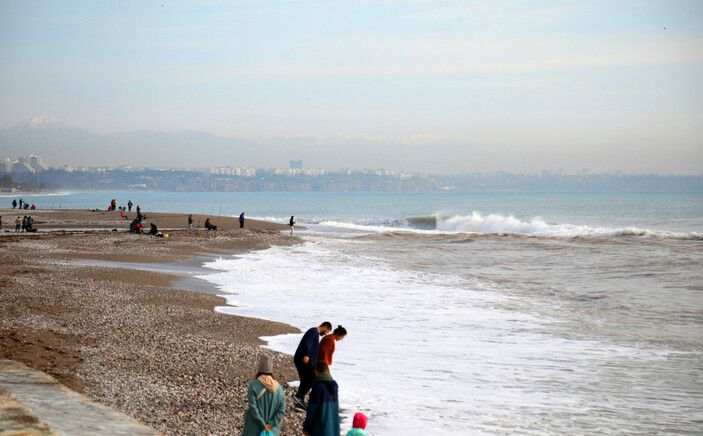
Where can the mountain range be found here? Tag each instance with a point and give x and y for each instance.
(60, 144)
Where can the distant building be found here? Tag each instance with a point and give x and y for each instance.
(31, 164)
(296, 164)
(6, 166)
(37, 163)
(22, 166)
(229, 171)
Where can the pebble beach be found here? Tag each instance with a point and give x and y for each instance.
(129, 338)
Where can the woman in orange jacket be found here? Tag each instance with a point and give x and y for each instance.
(327, 344)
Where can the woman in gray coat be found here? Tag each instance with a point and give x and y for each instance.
(267, 402)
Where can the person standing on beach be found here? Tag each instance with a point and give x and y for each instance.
(322, 417)
(267, 402)
(305, 358)
(24, 223)
(18, 224)
(190, 222)
(291, 223)
(21, 203)
(14, 203)
(241, 220)
(328, 343)
(129, 205)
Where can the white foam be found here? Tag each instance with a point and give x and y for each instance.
(425, 353)
(38, 194)
(478, 223)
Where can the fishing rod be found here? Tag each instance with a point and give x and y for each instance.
(219, 216)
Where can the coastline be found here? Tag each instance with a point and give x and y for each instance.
(135, 339)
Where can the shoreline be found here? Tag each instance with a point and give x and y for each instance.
(135, 339)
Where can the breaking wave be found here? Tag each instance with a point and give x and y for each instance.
(493, 224)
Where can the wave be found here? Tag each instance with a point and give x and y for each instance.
(36, 194)
(496, 224)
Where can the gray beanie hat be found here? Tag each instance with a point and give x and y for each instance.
(266, 364)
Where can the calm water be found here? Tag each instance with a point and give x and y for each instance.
(484, 313)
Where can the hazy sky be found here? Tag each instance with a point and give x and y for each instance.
(598, 84)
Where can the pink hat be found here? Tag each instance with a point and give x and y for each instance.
(360, 421)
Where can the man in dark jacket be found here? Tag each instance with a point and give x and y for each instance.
(241, 220)
(322, 417)
(305, 358)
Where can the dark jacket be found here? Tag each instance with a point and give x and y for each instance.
(309, 346)
(322, 417)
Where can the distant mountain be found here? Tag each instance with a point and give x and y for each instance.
(60, 144)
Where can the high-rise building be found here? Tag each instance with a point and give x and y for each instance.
(6, 165)
(37, 163)
(296, 164)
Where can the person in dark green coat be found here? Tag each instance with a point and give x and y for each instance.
(322, 417)
(267, 402)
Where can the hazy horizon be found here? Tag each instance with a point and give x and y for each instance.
(442, 86)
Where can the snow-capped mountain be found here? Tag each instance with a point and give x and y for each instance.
(60, 144)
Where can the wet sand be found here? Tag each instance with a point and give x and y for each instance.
(128, 338)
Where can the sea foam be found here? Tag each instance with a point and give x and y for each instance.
(426, 352)
(478, 223)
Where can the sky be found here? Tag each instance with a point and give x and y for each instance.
(514, 85)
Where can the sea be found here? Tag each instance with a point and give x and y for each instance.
(480, 313)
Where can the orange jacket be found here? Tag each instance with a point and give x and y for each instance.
(326, 349)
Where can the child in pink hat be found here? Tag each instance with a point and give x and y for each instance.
(358, 425)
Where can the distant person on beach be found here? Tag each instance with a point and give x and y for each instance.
(190, 222)
(129, 206)
(209, 226)
(21, 202)
(30, 224)
(24, 223)
(291, 223)
(138, 210)
(328, 343)
(153, 230)
(241, 220)
(267, 402)
(14, 203)
(135, 226)
(33, 207)
(358, 425)
(18, 224)
(322, 417)
(305, 358)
